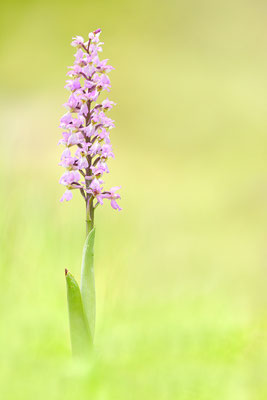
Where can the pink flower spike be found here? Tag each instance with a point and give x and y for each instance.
(86, 126)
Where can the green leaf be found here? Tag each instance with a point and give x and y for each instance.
(81, 339)
(88, 281)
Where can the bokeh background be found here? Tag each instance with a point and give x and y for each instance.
(181, 272)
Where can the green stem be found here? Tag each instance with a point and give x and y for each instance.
(89, 220)
(87, 272)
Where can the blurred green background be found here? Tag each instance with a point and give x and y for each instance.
(181, 272)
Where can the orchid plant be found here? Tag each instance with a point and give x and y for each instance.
(87, 148)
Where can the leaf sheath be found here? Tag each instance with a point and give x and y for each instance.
(88, 281)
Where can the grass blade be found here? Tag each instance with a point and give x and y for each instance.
(81, 339)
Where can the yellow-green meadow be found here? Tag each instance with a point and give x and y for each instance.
(181, 271)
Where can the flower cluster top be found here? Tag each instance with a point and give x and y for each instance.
(86, 126)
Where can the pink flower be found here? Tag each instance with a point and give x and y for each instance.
(107, 105)
(66, 196)
(112, 196)
(66, 153)
(75, 70)
(106, 151)
(94, 149)
(73, 102)
(96, 190)
(77, 41)
(82, 153)
(79, 56)
(82, 163)
(102, 66)
(88, 84)
(66, 119)
(94, 36)
(89, 130)
(65, 138)
(102, 82)
(75, 138)
(103, 134)
(70, 163)
(88, 70)
(95, 48)
(100, 169)
(70, 178)
(73, 85)
(84, 109)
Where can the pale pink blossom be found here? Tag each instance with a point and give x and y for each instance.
(73, 85)
(113, 196)
(66, 196)
(77, 41)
